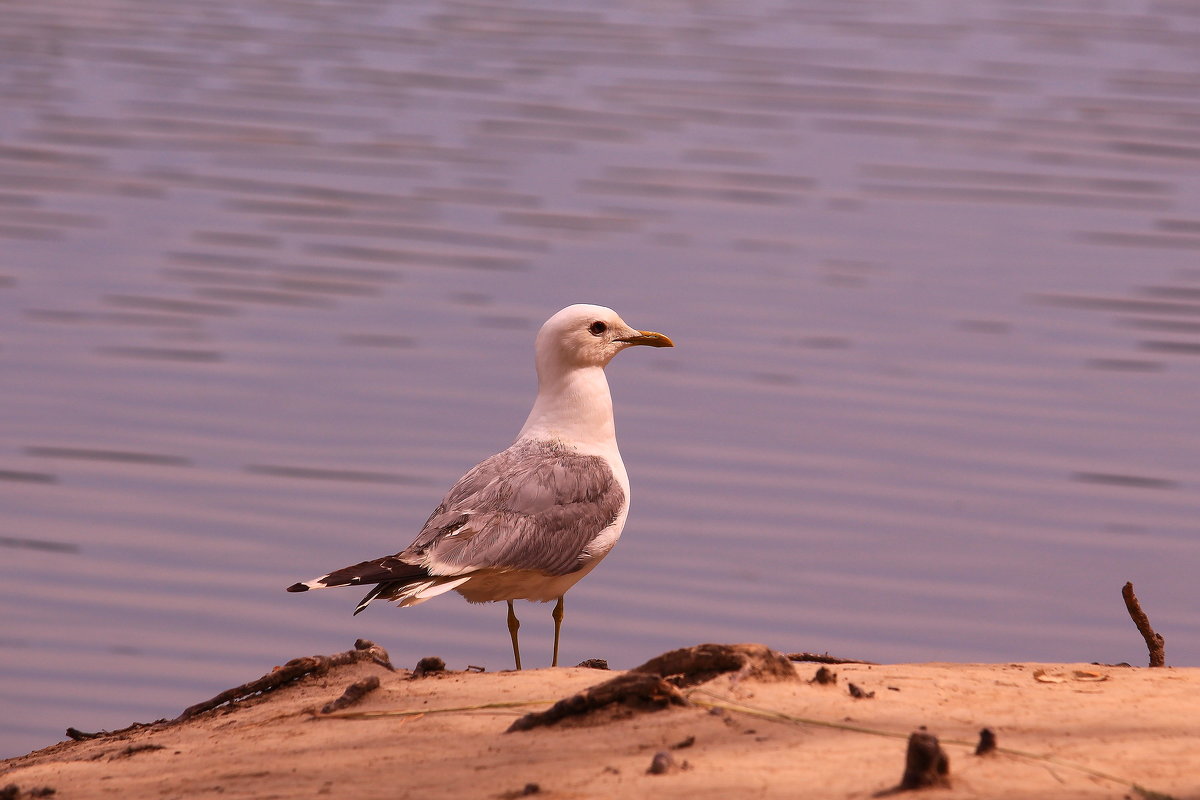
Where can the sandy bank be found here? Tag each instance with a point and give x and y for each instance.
(1065, 731)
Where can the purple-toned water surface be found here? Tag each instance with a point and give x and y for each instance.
(270, 276)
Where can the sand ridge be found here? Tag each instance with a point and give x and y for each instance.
(1065, 731)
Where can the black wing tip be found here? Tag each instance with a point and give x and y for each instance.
(298, 587)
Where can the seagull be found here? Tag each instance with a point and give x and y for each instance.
(531, 521)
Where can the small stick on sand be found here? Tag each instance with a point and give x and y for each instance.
(1154, 641)
(364, 650)
(824, 658)
(80, 736)
(633, 689)
(134, 749)
(925, 764)
(429, 665)
(825, 677)
(858, 693)
(987, 742)
(654, 685)
(354, 692)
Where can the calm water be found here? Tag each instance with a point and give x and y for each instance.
(270, 279)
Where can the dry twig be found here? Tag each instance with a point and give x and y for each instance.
(654, 684)
(824, 658)
(364, 650)
(1154, 641)
(354, 692)
(632, 688)
(925, 763)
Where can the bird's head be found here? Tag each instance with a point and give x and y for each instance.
(588, 336)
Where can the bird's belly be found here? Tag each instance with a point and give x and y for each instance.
(489, 587)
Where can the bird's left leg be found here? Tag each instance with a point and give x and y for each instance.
(557, 613)
(513, 625)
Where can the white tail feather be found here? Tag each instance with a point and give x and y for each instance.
(421, 591)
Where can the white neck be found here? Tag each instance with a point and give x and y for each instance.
(573, 406)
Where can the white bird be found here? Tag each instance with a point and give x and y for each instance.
(531, 521)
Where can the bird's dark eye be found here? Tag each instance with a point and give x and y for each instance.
(597, 328)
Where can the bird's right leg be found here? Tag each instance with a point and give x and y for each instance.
(513, 625)
(557, 614)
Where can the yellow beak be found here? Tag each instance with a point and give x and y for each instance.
(649, 338)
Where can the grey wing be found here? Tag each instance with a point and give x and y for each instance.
(534, 506)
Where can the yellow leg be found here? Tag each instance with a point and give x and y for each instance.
(513, 625)
(557, 613)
